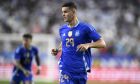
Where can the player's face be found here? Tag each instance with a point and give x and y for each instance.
(27, 42)
(68, 14)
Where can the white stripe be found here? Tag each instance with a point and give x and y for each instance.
(86, 65)
(15, 72)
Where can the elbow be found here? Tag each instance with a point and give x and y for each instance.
(99, 44)
(103, 44)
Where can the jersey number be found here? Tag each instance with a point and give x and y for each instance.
(69, 42)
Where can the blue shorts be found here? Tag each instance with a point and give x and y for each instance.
(18, 78)
(73, 78)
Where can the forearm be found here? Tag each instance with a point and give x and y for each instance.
(18, 65)
(60, 47)
(98, 44)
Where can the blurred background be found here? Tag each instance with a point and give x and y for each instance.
(118, 21)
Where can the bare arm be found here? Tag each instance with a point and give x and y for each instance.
(18, 65)
(98, 44)
(60, 46)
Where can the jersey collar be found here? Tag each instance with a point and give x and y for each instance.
(74, 25)
(26, 48)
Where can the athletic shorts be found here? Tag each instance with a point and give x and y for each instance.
(73, 78)
(18, 79)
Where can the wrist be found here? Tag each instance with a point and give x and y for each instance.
(39, 67)
(88, 45)
(24, 71)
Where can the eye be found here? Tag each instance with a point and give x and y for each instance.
(65, 11)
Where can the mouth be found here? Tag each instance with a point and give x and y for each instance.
(64, 17)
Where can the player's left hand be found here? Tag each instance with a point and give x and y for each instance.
(82, 47)
(38, 71)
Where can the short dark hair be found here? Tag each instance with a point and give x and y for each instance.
(27, 35)
(70, 5)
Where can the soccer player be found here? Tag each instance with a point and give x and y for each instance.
(24, 55)
(77, 40)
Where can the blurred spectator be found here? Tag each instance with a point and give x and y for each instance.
(117, 20)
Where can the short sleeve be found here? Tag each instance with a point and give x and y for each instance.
(93, 34)
(60, 32)
(36, 51)
(17, 54)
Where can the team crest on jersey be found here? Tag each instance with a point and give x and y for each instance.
(77, 33)
(70, 33)
(64, 34)
(27, 54)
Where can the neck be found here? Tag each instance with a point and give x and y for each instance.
(73, 22)
(27, 46)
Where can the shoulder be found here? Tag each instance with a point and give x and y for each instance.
(19, 49)
(63, 26)
(34, 48)
(87, 26)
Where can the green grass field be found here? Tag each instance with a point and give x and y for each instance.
(7, 82)
(89, 82)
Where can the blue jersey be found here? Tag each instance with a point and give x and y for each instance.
(25, 56)
(72, 60)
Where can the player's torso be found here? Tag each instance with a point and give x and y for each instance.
(27, 56)
(71, 38)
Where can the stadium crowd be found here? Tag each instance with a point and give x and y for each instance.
(117, 20)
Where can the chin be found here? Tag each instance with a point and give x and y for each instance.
(65, 20)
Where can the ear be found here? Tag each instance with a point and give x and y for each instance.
(74, 11)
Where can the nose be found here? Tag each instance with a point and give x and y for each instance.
(63, 14)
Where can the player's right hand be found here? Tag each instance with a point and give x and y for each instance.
(26, 72)
(54, 52)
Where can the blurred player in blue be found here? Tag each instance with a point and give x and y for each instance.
(77, 40)
(24, 54)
